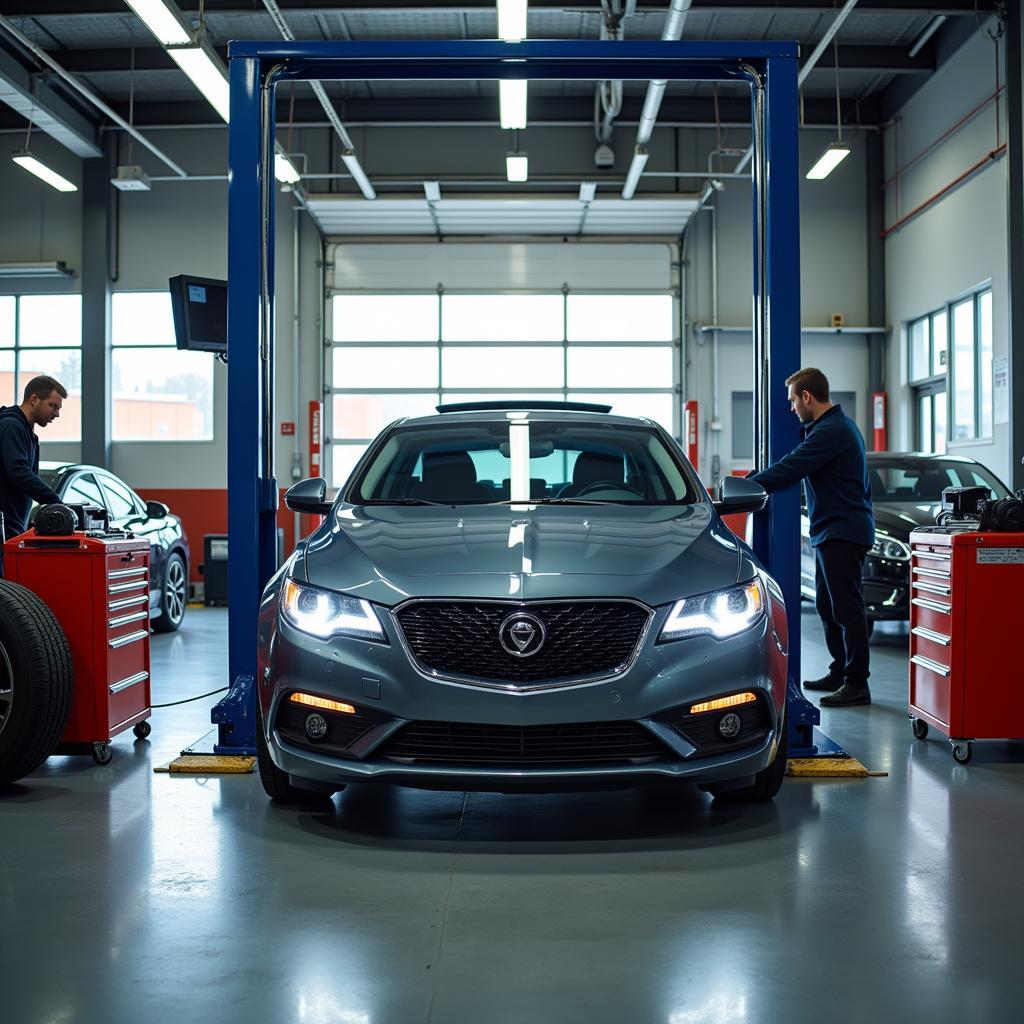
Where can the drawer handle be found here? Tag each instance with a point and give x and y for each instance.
(128, 602)
(935, 606)
(938, 574)
(932, 666)
(129, 638)
(123, 588)
(120, 574)
(932, 588)
(937, 556)
(139, 677)
(930, 634)
(123, 620)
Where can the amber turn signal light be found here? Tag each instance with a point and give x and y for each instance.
(322, 702)
(721, 703)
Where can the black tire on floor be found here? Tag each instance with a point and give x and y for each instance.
(767, 782)
(276, 783)
(173, 595)
(35, 682)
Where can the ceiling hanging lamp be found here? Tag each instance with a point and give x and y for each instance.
(836, 152)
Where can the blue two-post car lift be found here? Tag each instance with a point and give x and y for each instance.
(770, 69)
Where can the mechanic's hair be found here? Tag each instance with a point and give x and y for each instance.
(43, 387)
(812, 380)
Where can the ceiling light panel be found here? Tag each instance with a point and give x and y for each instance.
(512, 99)
(161, 21)
(205, 73)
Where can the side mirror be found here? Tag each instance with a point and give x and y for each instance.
(156, 510)
(738, 494)
(309, 496)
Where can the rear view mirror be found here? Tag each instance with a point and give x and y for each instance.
(309, 496)
(738, 494)
(157, 510)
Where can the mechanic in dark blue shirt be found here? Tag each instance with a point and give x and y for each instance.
(831, 462)
(20, 482)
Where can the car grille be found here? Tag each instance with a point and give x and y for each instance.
(575, 745)
(702, 729)
(584, 639)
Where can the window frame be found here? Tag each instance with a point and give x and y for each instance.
(159, 348)
(18, 348)
(566, 392)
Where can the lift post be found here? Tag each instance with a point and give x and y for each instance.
(257, 67)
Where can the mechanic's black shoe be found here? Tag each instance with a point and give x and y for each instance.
(847, 696)
(829, 683)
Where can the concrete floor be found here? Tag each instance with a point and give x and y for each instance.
(128, 896)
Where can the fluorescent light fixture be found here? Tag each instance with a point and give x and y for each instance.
(206, 75)
(587, 191)
(636, 168)
(512, 20)
(517, 167)
(56, 269)
(161, 21)
(284, 170)
(931, 28)
(40, 170)
(351, 161)
(836, 153)
(512, 96)
(432, 190)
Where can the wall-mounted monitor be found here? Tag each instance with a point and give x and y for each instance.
(200, 309)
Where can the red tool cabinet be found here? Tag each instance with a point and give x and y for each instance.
(98, 588)
(966, 672)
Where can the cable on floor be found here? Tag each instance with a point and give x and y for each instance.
(188, 700)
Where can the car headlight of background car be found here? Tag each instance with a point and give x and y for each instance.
(886, 547)
(721, 614)
(323, 613)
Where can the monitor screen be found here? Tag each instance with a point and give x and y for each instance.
(200, 309)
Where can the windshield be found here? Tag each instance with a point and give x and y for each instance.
(475, 463)
(918, 480)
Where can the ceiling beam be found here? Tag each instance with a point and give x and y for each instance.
(44, 8)
(30, 96)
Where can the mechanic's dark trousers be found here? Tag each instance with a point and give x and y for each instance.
(838, 579)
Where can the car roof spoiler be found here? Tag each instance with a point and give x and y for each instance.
(499, 406)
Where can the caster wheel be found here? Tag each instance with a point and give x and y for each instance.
(101, 753)
(920, 728)
(962, 752)
(142, 730)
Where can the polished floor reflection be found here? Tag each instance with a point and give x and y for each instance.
(128, 896)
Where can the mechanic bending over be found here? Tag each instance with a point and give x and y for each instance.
(831, 461)
(20, 482)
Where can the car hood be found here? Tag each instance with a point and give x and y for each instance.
(657, 554)
(899, 518)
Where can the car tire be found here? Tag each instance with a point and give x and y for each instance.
(767, 782)
(277, 783)
(173, 595)
(35, 682)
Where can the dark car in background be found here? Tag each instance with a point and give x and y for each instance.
(906, 490)
(152, 520)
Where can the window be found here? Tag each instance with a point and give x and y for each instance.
(929, 345)
(84, 489)
(158, 393)
(971, 345)
(42, 334)
(396, 355)
(121, 501)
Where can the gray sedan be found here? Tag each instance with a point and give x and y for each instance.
(522, 597)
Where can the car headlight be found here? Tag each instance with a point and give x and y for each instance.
(721, 614)
(886, 547)
(324, 613)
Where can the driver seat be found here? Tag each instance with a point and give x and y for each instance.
(592, 468)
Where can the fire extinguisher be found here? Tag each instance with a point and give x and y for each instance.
(690, 433)
(879, 410)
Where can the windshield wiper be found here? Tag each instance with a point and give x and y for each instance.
(406, 501)
(557, 501)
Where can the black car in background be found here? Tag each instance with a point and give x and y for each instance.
(906, 490)
(169, 554)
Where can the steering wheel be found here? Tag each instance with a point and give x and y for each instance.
(603, 485)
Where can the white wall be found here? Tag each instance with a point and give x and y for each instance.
(960, 242)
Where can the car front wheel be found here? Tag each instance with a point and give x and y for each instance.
(174, 595)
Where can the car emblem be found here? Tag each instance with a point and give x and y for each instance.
(522, 635)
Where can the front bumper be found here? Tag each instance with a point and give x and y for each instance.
(663, 679)
(886, 588)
